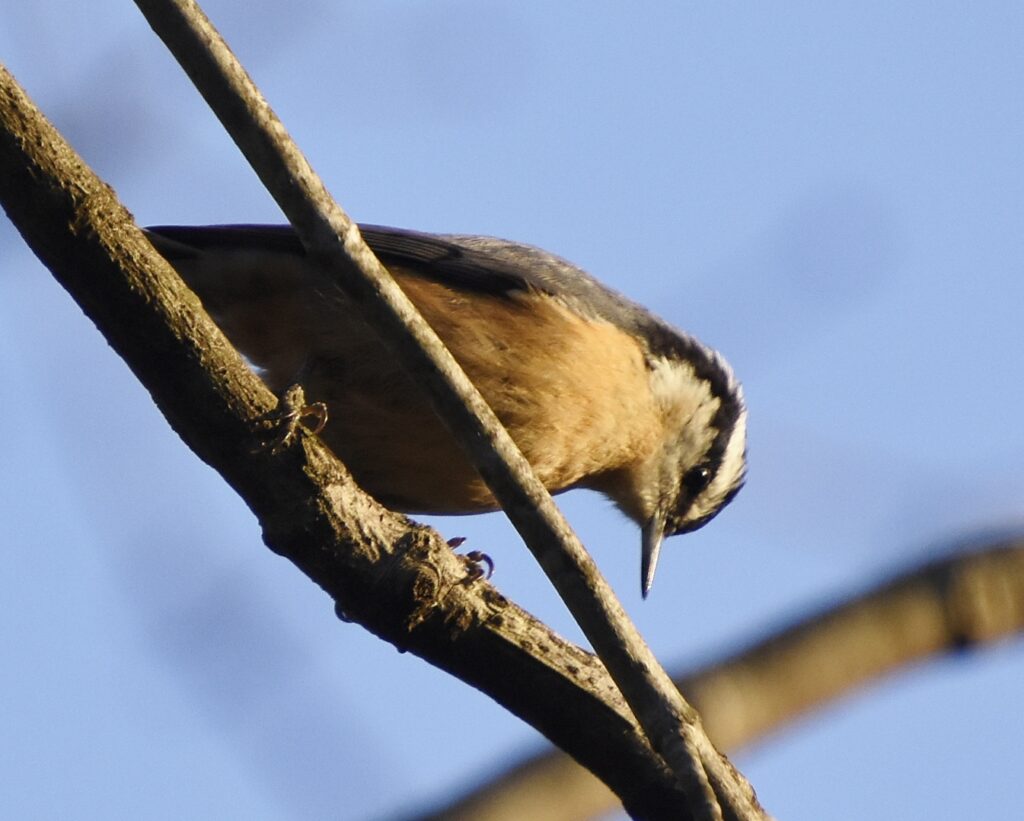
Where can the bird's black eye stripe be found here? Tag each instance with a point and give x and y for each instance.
(696, 479)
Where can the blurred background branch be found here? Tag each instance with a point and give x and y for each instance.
(972, 598)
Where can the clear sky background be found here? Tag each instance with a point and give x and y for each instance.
(830, 193)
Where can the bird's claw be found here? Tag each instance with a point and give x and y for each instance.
(474, 561)
(288, 418)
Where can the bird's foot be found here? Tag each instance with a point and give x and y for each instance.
(476, 561)
(288, 419)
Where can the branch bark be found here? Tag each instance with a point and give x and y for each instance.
(970, 599)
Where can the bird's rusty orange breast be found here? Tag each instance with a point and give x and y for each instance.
(572, 392)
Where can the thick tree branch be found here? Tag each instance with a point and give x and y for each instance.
(967, 600)
(330, 237)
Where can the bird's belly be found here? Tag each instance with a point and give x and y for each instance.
(571, 393)
(400, 453)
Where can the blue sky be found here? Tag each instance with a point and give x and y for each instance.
(832, 194)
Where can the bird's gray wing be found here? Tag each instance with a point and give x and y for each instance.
(462, 261)
(491, 265)
(474, 263)
(466, 262)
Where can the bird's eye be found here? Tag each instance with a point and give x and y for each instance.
(696, 479)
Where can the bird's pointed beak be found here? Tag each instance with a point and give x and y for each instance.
(652, 535)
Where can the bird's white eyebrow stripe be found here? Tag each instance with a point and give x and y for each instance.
(707, 366)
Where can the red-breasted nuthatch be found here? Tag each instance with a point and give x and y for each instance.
(595, 391)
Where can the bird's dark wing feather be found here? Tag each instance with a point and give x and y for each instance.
(464, 262)
(479, 264)
(189, 241)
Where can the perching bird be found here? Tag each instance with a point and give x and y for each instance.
(595, 391)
